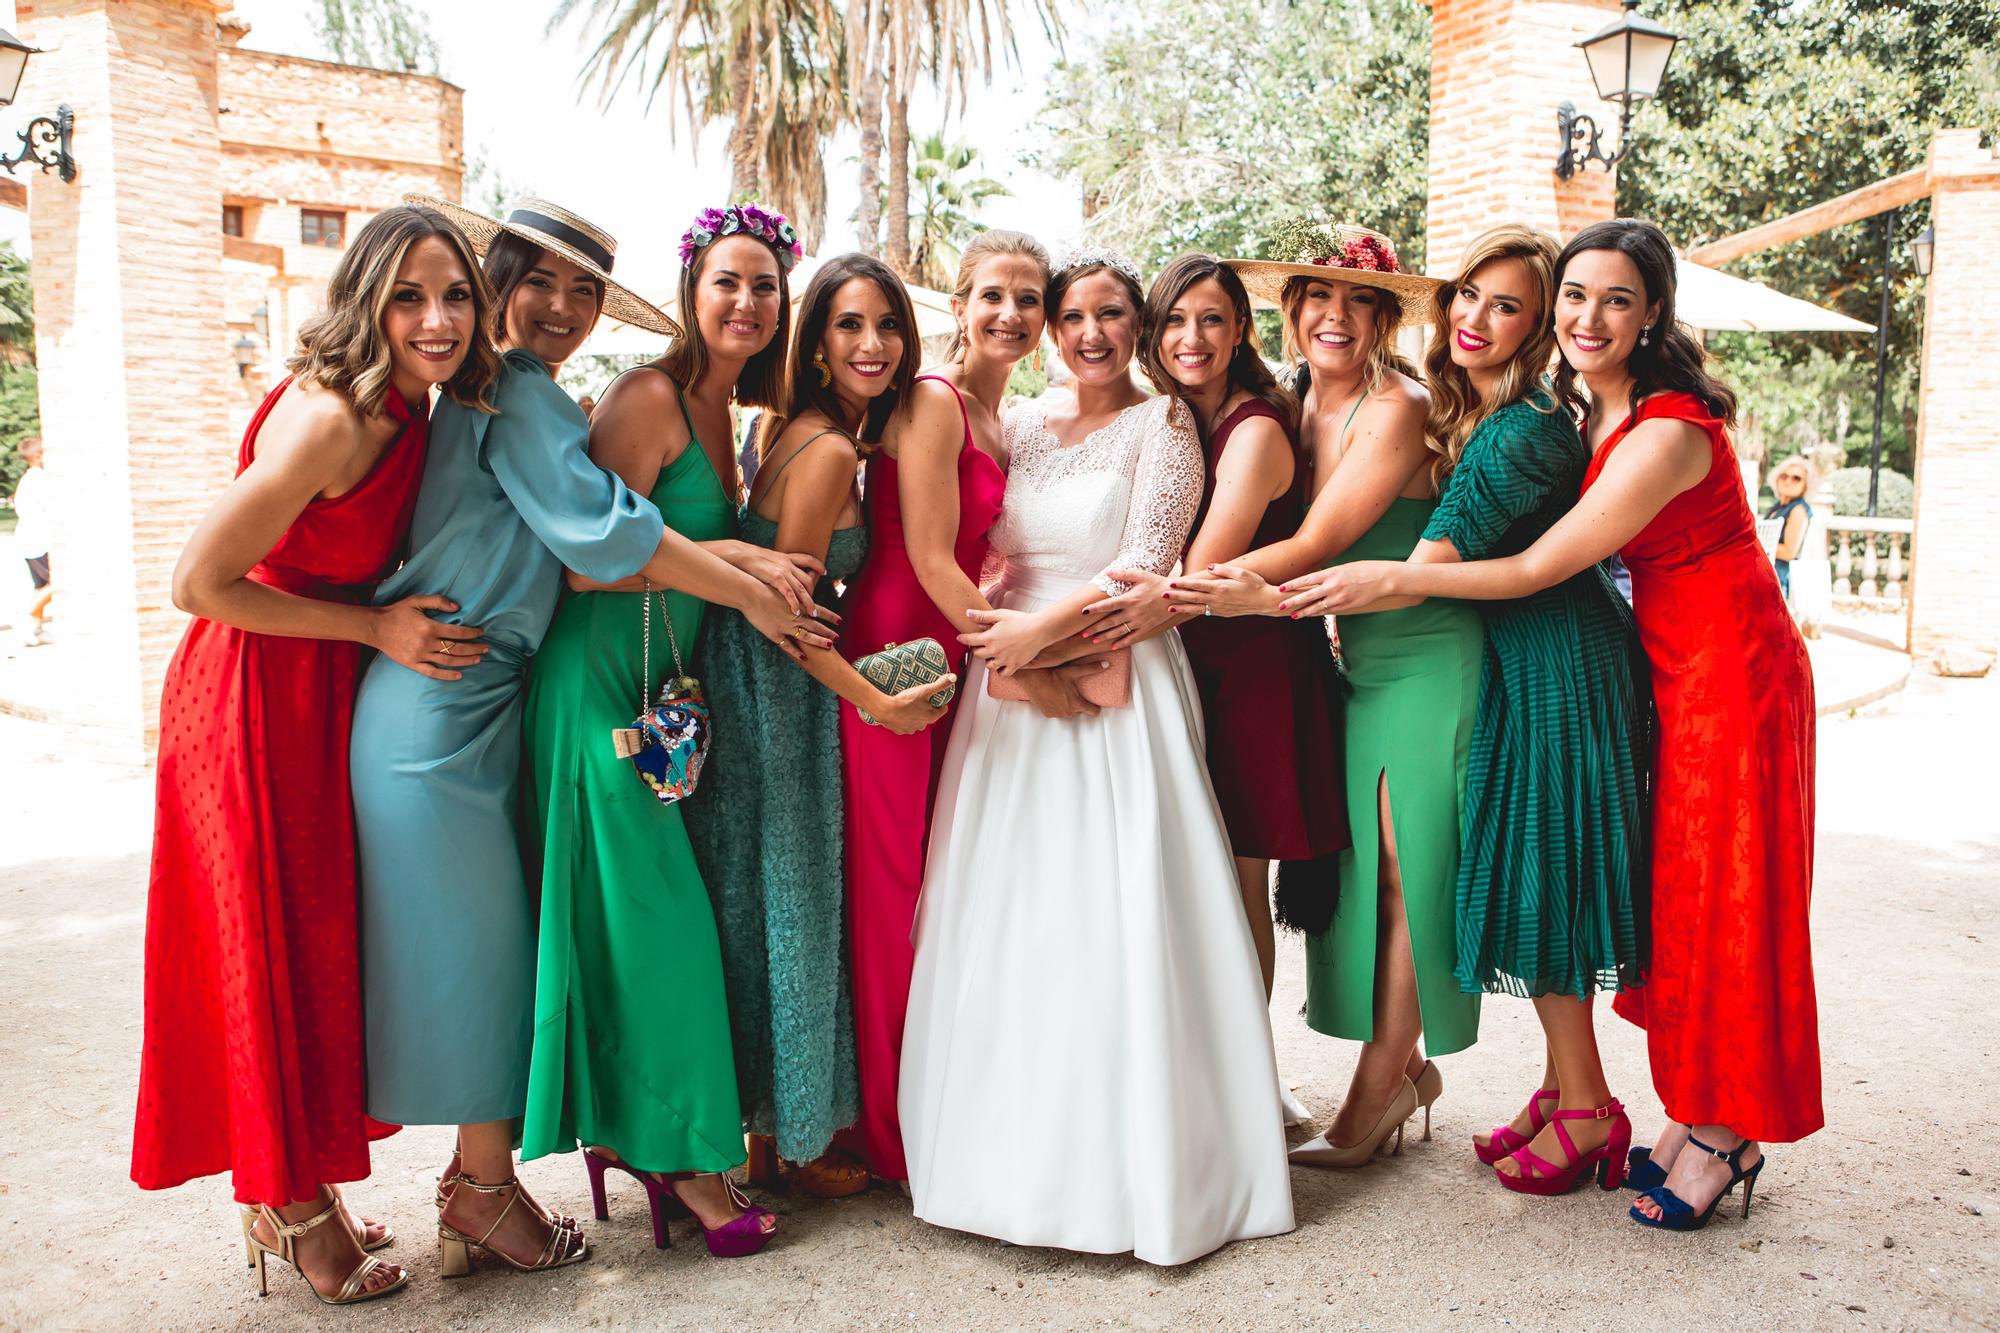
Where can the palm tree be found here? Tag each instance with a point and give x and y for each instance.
(773, 67)
(947, 193)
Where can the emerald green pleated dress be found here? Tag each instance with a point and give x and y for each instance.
(1415, 674)
(631, 1044)
(1552, 871)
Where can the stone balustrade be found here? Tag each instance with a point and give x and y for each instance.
(1871, 557)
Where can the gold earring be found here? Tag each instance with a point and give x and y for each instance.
(825, 371)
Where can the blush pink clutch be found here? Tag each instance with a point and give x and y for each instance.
(1109, 687)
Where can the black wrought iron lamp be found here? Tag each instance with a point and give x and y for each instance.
(1627, 61)
(245, 349)
(46, 140)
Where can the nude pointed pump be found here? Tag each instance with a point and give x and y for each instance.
(1429, 1083)
(1322, 1151)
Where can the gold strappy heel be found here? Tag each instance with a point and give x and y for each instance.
(382, 1242)
(352, 1291)
(563, 1246)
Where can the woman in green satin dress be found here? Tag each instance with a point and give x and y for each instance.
(1380, 956)
(631, 1054)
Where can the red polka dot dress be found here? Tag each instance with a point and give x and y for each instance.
(253, 1038)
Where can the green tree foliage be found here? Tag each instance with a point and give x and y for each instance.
(948, 190)
(20, 411)
(382, 34)
(1196, 126)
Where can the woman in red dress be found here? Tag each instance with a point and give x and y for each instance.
(253, 1040)
(1727, 1000)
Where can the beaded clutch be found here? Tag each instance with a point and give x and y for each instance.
(902, 665)
(668, 742)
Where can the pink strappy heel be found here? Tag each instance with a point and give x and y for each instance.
(1542, 1177)
(1506, 1139)
(741, 1235)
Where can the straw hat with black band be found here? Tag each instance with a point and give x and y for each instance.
(576, 239)
(1336, 252)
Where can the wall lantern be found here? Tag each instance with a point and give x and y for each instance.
(43, 133)
(1627, 61)
(1923, 250)
(245, 348)
(260, 320)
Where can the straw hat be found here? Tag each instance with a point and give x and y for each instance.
(576, 239)
(1336, 252)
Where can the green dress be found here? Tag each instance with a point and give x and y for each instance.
(766, 825)
(1552, 871)
(631, 1044)
(1415, 674)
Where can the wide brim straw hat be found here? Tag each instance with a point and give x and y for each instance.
(1336, 252)
(576, 239)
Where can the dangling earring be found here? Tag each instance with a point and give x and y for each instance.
(1646, 336)
(1038, 357)
(825, 371)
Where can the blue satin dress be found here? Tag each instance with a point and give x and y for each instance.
(447, 924)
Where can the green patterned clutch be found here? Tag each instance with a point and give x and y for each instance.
(901, 665)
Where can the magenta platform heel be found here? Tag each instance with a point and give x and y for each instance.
(1505, 1141)
(1608, 1162)
(740, 1236)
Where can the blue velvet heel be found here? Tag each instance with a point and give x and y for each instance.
(1642, 1173)
(1676, 1215)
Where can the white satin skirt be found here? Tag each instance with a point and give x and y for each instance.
(1087, 1059)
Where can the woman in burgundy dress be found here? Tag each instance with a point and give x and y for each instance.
(253, 1040)
(1727, 1001)
(1267, 685)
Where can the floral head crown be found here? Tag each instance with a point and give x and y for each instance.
(1336, 246)
(1091, 256)
(767, 225)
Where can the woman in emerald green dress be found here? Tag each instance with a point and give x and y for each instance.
(1379, 964)
(631, 1054)
(767, 821)
(1552, 880)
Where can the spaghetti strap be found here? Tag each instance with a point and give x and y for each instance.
(1352, 412)
(801, 449)
(964, 413)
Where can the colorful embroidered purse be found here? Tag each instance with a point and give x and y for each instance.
(668, 742)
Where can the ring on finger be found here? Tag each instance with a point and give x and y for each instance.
(444, 647)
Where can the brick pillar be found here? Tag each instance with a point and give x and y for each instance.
(1499, 69)
(130, 337)
(1956, 563)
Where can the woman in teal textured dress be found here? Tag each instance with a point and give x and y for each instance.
(1380, 956)
(631, 1053)
(1552, 879)
(766, 823)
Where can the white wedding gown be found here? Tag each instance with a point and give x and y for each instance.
(1087, 1059)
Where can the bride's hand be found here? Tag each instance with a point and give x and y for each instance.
(1133, 616)
(1223, 590)
(1328, 592)
(1010, 640)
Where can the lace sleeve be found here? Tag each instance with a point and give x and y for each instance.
(1166, 492)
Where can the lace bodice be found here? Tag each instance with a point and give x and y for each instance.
(1123, 497)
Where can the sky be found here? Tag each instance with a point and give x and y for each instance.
(619, 166)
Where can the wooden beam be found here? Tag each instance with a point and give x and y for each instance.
(1865, 202)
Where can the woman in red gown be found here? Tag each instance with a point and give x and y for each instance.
(932, 492)
(253, 1042)
(1727, 1002)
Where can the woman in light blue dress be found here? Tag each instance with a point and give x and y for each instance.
(509, 499)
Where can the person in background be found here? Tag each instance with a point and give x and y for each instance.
(1790, 481)
(31, 533)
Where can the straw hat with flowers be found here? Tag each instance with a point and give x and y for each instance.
(1336, 252)
(562, 232)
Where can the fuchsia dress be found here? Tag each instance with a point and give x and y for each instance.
(890, 778)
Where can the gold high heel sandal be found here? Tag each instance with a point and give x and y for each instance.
(1323, 1151)
(1429, 1084)
(352, 1290)
(381, 1242)
(563, 1245)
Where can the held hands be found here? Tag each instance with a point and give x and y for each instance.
(1223, 590)
(792, 575)
(1056, 691)
(910, 711)
(1328, 592)
(1133, 616)
(1010, 640)
(793, 632)
(403, 632)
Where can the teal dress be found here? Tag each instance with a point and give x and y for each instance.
(1552, 869)
(1415, 678)
(447, 924)
(767, 831)
(631, 1028)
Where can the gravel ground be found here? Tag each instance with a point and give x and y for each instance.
(1884, 1220)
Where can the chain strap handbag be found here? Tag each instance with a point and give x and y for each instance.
(668, 742)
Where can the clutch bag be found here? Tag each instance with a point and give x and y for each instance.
(899, 666)
(1108, 687)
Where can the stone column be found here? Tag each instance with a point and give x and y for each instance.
(1499, 69)
(130, 336)
(1956, 562)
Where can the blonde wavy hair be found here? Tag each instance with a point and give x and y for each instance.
(1456, 409)
(342, 347)
(1383, 360)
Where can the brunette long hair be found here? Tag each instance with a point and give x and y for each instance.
(1674, 360)
(1247, 370)
(1456, 410)
(761, 382)
(803, 391)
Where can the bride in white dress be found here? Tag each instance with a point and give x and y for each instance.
(1087, 1059)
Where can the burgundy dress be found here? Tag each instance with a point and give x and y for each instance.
(253, 1040)
(1727, 1001)
(1268, 701)
(890, 779)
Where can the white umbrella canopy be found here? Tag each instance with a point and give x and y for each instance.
(611, 338)
(1718, 302)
